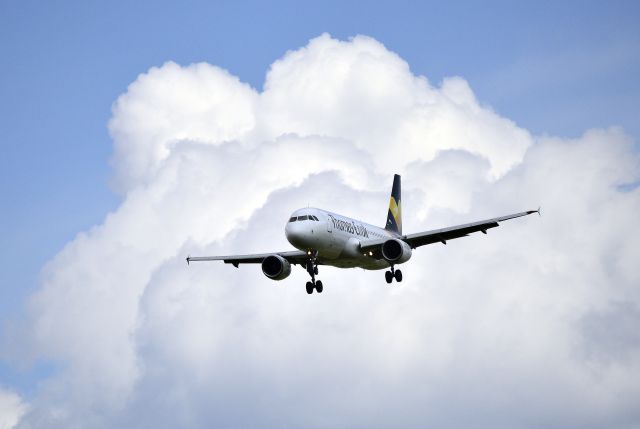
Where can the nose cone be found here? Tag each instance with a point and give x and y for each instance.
(295, 233)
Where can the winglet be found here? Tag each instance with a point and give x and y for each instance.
(534, 211)
(188, 258)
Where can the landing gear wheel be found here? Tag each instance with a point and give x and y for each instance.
(388, 275)
(398, 276)
(312, 269)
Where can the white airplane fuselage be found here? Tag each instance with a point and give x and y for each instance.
(336, 238)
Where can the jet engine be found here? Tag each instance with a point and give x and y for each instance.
(276, 267)
(396, 251)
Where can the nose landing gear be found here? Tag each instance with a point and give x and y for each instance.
(312, 269)
(393, 273)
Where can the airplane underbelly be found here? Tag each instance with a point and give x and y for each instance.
(364, 263)
(345, 253)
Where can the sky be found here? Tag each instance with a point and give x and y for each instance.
(136, 134)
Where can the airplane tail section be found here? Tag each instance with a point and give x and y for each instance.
(394, 216)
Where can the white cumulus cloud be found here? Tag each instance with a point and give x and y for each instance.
(12, 408)
(529, 326)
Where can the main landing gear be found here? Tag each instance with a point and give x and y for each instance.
(312, 269)
(393, 273)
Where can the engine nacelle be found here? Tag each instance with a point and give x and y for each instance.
(396, 251)
(276, 267)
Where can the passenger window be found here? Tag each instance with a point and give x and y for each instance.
(293, 219)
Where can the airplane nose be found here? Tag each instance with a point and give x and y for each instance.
(295, 234)
(290, 231)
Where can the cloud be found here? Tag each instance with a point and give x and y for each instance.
(506, 330)
(12, 408)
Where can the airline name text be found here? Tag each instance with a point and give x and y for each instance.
(350, 227)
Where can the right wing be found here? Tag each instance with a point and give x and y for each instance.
(294, 257)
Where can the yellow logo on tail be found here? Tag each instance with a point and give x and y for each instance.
(396, 211)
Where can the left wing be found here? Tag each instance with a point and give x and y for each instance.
(444, 234)
(294, 257)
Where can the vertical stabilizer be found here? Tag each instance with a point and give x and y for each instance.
(394, 216)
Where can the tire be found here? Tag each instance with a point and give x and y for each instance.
(398, 276)
(309, 288)
(319, 286)
(388, 276)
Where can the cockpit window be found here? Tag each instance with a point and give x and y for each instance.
(306, 217)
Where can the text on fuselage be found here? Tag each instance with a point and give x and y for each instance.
(350, 227)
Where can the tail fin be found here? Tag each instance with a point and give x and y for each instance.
(394, 217)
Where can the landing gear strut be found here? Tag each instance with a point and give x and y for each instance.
(393, 273)
(312, 269)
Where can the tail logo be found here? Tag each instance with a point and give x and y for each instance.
(394, 207)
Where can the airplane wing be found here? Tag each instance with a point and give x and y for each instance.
(294, 257)
(444, 234)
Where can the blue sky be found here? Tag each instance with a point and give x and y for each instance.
(557, 68)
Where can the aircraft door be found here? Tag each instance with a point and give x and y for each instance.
(329, 224)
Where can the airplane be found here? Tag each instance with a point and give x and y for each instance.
(327, 238)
